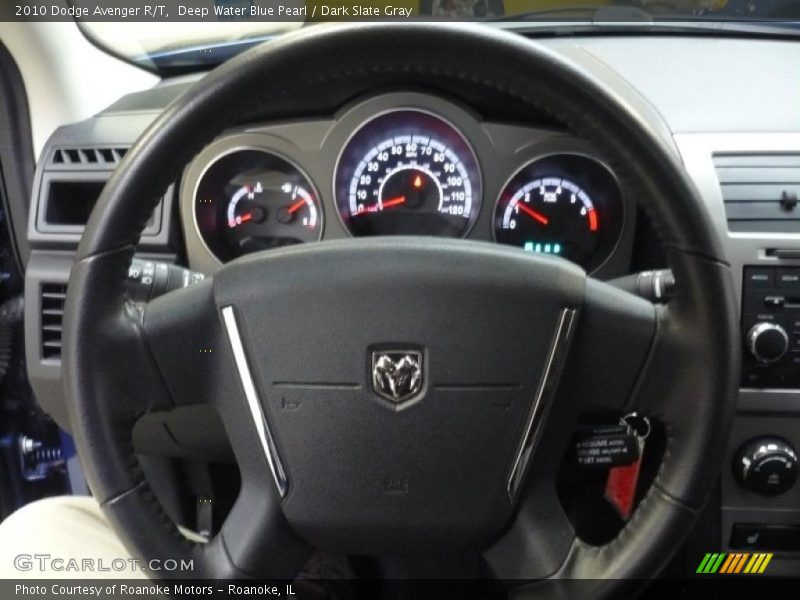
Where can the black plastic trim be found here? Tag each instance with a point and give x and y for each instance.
(17, 163)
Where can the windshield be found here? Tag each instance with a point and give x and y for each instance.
(185, 34)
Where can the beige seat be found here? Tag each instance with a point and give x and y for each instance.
(65, 537)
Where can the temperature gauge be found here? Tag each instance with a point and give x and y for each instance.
(252, 200)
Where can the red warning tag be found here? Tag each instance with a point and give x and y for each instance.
(621, 487)
(623, 480)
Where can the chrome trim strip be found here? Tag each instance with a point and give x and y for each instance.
(256, 412)
(542, 397)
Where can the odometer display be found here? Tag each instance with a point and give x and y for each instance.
(408, 172)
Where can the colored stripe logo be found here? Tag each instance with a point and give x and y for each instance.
(734, 563)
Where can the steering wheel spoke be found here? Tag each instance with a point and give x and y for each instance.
(621, 351)
(184, 333)
(613, 338)
(257, 539)
(540, 536)
(655, 365)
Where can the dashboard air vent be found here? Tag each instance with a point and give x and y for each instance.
(53, 297)
(760, 191)
(88, 157)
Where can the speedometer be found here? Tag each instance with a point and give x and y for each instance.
(408, 172)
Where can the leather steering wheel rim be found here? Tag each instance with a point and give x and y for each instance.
(693, 353)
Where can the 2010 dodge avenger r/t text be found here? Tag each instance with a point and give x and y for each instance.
(446, 298)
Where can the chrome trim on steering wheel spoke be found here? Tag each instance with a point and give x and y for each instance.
(542, 397)
(256, 411)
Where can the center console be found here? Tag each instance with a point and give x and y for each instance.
(750, 183)
(771, 327)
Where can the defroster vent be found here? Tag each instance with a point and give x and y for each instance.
(105, 157)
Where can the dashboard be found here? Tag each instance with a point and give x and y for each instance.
(482, 176)
(403, 164)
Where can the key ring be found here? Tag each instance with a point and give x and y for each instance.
(634, 423)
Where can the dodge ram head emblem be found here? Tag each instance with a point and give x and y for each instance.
(397, 375)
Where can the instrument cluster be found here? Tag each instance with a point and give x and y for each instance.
(402, 164)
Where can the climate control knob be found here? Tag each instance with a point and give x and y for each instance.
(768, 342)
(766, 466)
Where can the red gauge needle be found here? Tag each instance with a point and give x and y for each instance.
(533, 214)
(393, 201)
(296, 206)
(240, 219)
(382, 205)
(593, 220)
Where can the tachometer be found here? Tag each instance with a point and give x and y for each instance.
(550, 215)
(251, 200)
(565, 205)
(408, 172)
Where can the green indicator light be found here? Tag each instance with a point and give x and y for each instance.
(540, 248)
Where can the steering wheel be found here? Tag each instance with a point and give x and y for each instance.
(511, 348)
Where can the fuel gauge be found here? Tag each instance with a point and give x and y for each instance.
(252, 200)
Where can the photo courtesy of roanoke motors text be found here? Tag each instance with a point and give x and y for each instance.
(399, 299)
